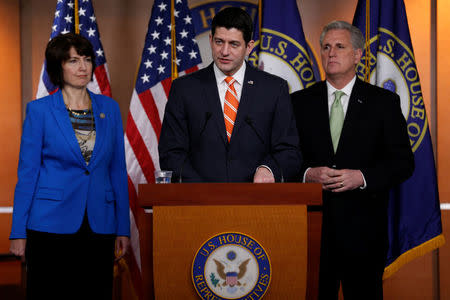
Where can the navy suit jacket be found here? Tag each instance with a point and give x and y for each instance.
(374, 140)
(193, 137)
(55, 186)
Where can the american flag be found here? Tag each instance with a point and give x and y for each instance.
(77, 16)
(165, 46)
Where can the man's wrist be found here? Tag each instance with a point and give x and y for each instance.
(266, 167)
(363, 187)
(304, 175)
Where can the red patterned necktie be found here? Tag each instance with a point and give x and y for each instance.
(230, 106)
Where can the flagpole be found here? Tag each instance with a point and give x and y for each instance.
(260, 20)
(173, 38)
(77, 18)
(367, 60)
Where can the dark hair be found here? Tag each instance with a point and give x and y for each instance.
(58, 52)
(234, 17)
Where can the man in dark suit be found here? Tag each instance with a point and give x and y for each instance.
(354, 142)
(230, 122)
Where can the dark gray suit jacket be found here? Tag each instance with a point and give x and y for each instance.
(374, 140)
(193, 137)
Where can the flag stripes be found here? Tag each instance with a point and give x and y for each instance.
(66, 15)
(150, 96)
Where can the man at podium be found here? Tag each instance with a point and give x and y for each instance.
(230, 122)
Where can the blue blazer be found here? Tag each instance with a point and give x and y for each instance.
(55, 187)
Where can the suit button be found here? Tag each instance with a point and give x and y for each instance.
(86, 172)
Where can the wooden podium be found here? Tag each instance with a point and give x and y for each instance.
(285, 218)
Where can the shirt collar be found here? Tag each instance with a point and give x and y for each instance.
(347, 89)
(238, 76)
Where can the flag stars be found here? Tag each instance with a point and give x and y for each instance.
(187, 20)
(162, 6)
(167, 40)
(155, 35)
(164, 55)
(193, 54)
(175, 13)
(161, 69)
(68, 18)
(159, 21)
(151, 49)
(177, 61)
(70, 4)
(92, 18)
(54, 27)
(145, 78)
(82, 12)
(99, 52)
(179, 1)
(65, 31)
(57, 14)
(79, 26)
(184, 34)
(194, 41)
(91, 32)
(169, 27)
(180, 48)
(148, 64)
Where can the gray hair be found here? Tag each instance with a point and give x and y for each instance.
(356, 36)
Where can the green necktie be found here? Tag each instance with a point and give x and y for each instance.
(336, 118)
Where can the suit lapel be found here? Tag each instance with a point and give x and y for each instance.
(353, 117)
(248, 96)
(323, 118)
(63, 121)
(213, 102)
(100, 117)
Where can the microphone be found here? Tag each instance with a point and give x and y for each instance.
(208, 116)
(249, 121)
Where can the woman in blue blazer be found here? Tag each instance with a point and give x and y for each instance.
(71, 210)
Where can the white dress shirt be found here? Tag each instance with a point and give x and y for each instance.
(222, 84)
(222, 88)
(344, 101)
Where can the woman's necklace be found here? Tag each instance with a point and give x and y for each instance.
(86, 137)
(74, 114)
(80, 112)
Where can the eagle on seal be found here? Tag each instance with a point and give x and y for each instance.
(231, 278)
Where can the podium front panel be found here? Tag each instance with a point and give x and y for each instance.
(179, 232)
